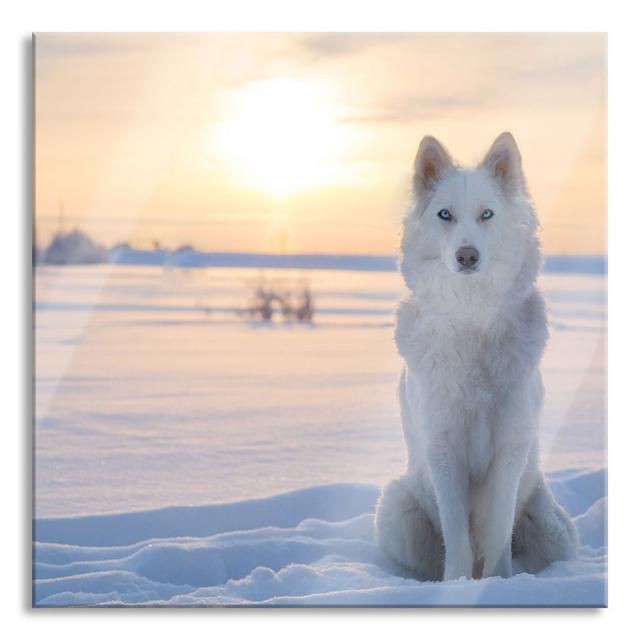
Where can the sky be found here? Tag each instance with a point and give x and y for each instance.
(304, 143)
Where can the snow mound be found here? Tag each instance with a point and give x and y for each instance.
(311, 547)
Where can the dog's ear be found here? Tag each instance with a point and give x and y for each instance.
(432, 162)
(504, 163)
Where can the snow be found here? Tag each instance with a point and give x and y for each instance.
(188, 456)
(309, 547)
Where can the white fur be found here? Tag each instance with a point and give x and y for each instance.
(472, 497)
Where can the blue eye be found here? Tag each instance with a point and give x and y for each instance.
(444, 214)
(487, 214)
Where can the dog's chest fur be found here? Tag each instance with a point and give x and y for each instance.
(462, 366)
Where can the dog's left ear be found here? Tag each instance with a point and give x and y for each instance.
(504, 163)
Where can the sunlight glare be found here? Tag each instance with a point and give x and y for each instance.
(282, 136)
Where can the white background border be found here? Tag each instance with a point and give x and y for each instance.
(21, 18)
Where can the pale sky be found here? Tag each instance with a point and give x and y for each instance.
(305, 142)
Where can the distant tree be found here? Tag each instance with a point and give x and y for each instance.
(268, 298)
(305, 306)
(262, 306)
(73, 247)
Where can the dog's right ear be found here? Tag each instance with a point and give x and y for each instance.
(432, 162)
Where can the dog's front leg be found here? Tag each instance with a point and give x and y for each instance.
(450, 480)
(501, 485)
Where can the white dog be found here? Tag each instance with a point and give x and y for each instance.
(472, 333)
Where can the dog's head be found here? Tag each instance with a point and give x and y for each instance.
(472, 223)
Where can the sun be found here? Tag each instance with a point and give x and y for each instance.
(282, 136)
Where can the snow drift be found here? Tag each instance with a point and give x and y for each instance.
(155, 399)
(310, 547)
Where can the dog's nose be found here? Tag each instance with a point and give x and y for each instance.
(467, 257)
